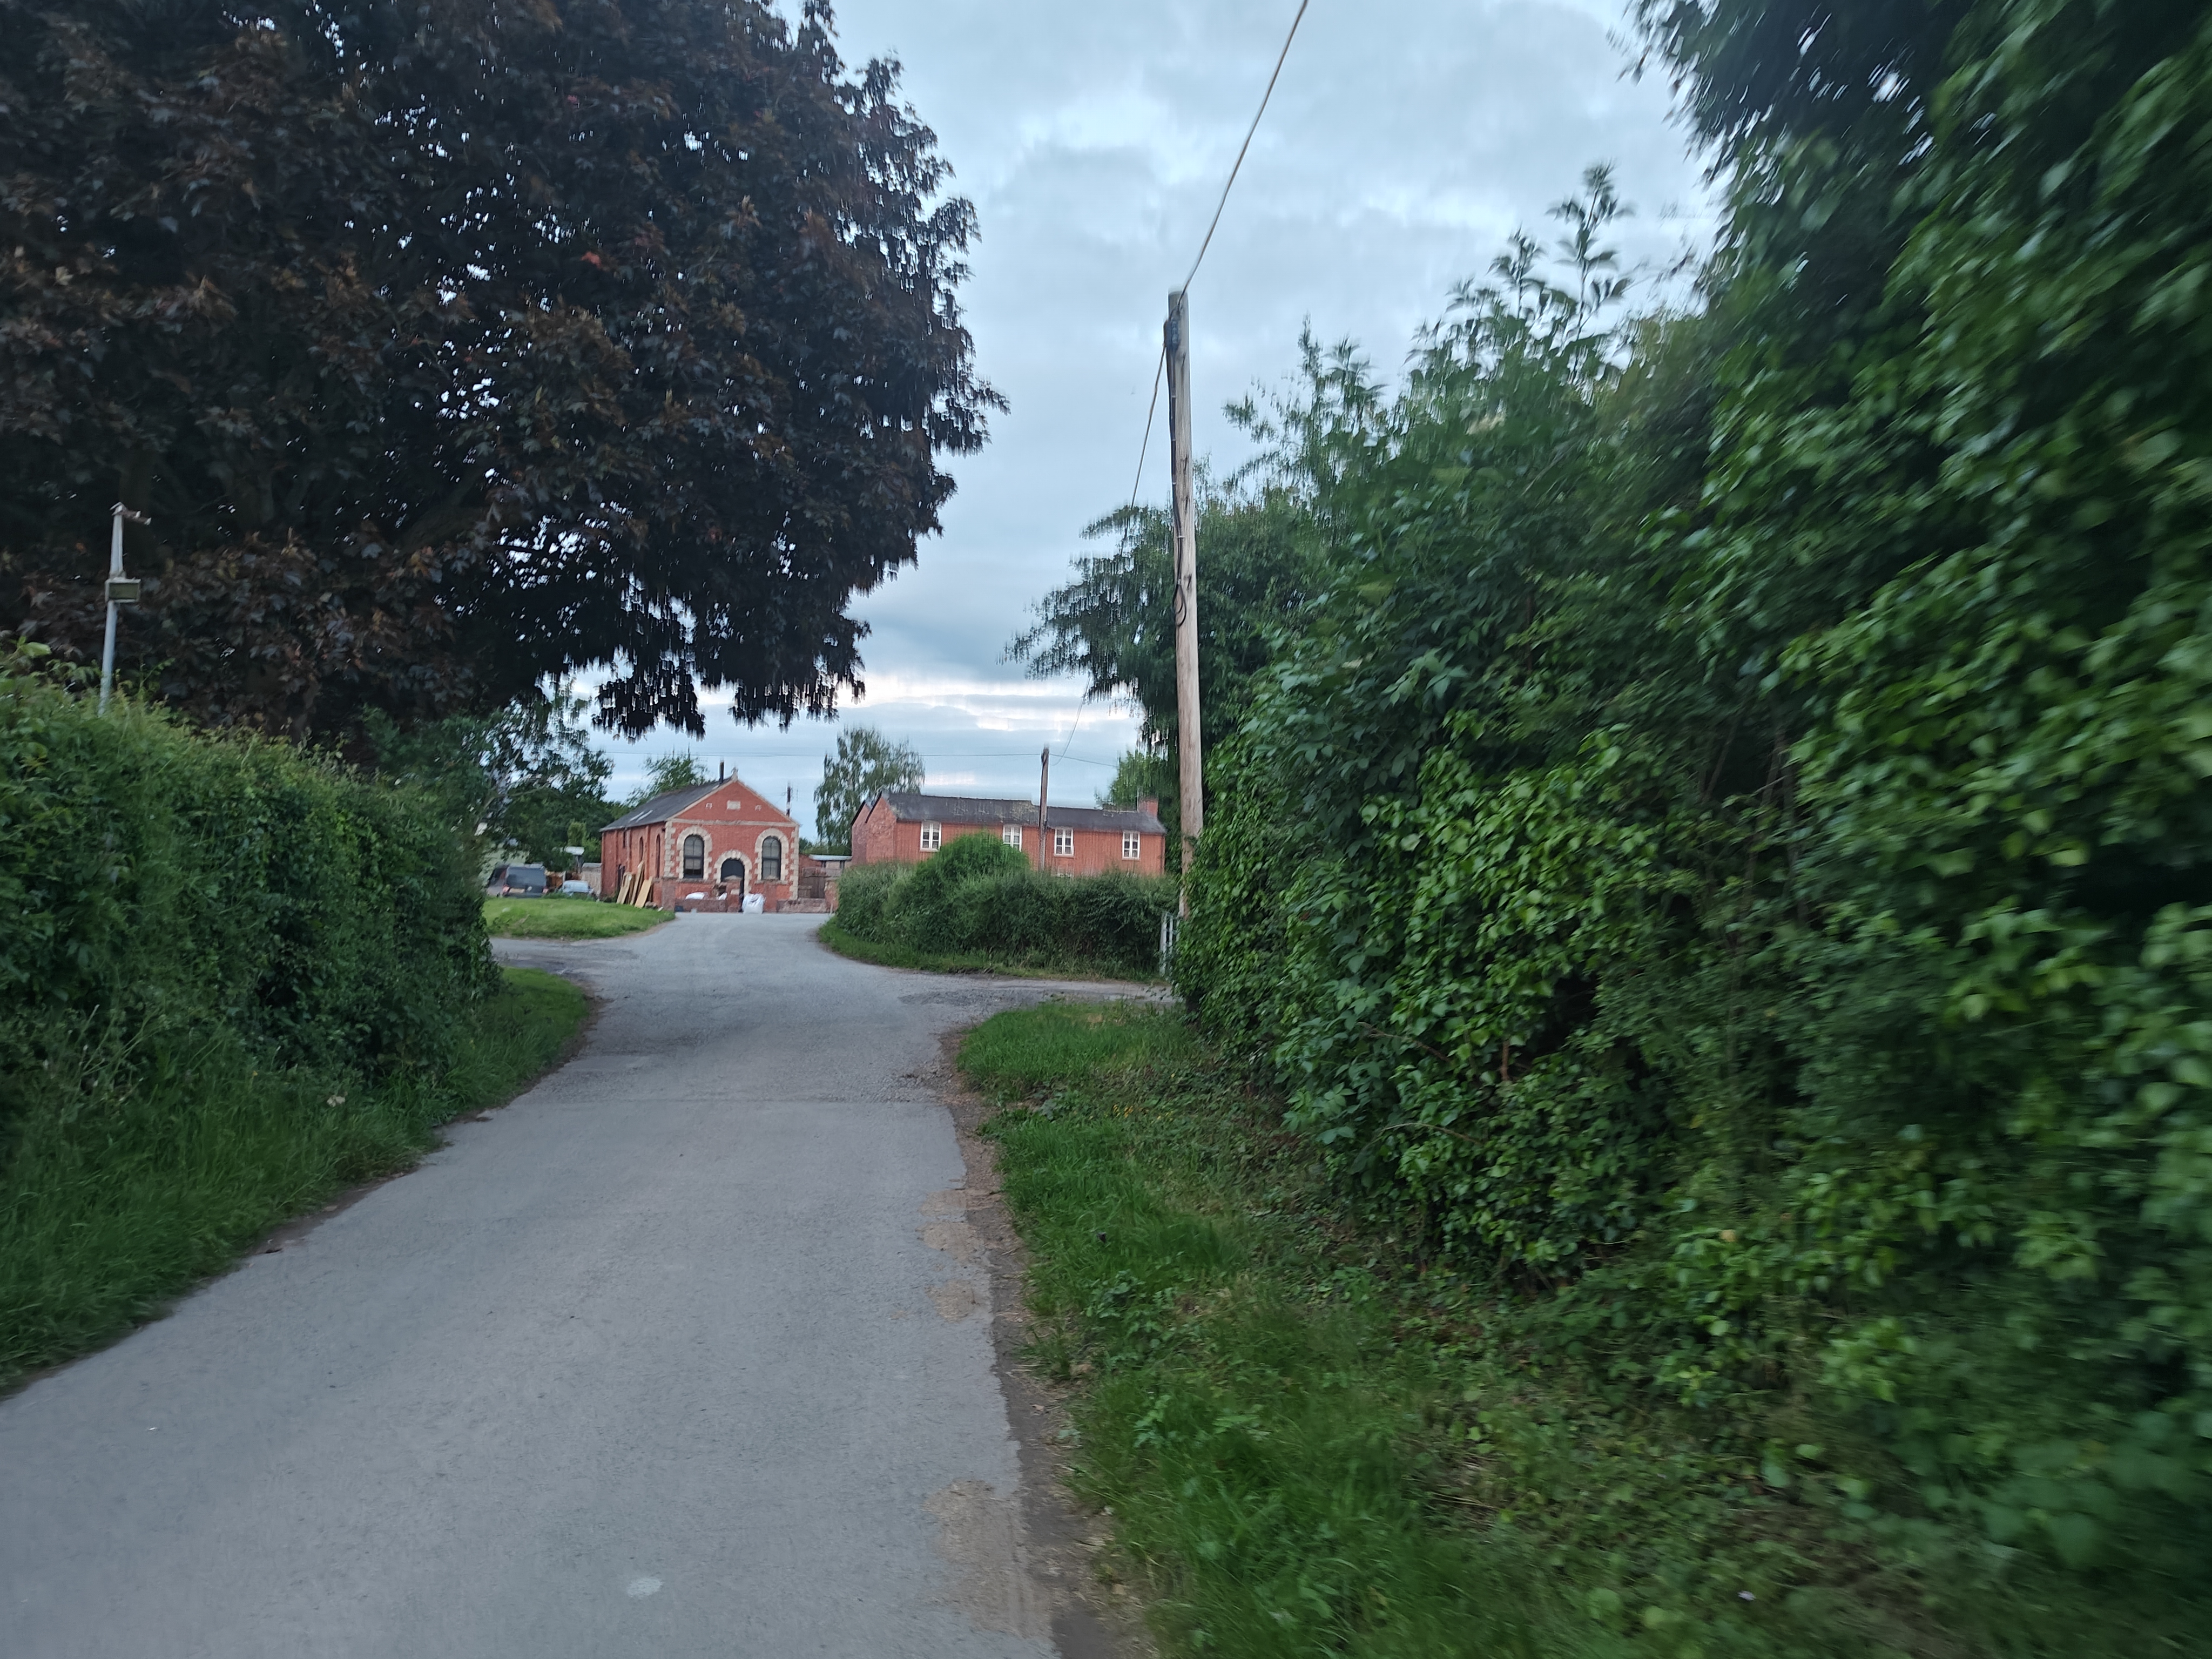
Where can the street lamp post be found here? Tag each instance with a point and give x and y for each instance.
(121, 590)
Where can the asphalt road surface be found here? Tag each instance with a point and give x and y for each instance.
(683, 1353)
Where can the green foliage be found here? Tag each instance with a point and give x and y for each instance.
(1312, 1439)
(1138, 775)
(108, 1209)
(1063, 1041)
(232, 978)
(979, 897)
(568, 918)
(864, 763)
(152, 880)
(679, 769)
(1114, 623)
(516, 779)
(1727, 851)
(455, 346)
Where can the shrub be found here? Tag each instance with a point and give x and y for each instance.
(979, 897)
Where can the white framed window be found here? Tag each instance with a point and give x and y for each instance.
(1063, 844)
(1011, 835)
(771, 858)
(932, 837)
(1132, 844)
(694, 858)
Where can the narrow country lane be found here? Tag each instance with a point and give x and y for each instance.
(655, 1363)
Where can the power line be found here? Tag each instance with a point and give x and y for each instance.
(1247, 144)
(1160, 367)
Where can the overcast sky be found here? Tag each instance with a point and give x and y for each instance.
(1406, 138)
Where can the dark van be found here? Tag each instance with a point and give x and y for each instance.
(519, 881)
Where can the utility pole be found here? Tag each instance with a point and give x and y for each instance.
(121, 590)
(1044, 787)
(1192, 774)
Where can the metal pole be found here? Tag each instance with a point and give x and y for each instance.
(107, 650)
(1192, 780)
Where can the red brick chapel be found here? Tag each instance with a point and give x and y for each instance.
(704, 848)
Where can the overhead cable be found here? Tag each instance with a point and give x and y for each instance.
(1159, 367)
(1247, 144)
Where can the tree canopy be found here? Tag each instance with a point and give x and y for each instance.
(524, 777)
(455, 346)
(864, 763)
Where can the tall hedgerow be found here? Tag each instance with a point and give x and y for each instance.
(159, 886)
(1730, 849)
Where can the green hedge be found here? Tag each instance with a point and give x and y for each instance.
(233, 979)
(153, 880)
(980, 897)
(1732, 855)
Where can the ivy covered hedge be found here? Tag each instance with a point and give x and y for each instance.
(1732, 844)
(979, 897)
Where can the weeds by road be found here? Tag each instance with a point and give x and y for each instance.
(567, 918)
(107, 1214)
(1311, 1443)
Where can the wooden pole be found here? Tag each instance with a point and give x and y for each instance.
(1044, 786)
(1192, 775)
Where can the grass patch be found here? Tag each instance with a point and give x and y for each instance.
(108, 1212)
(567, 918)
(886, 955)
(1311, 1442)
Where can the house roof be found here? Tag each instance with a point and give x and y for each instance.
(676, 803)
(910, 805)
(663, 807)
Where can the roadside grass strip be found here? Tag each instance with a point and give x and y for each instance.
(108, 1213)
(567, 918)
(1309, 1444)
(885, 954)
(1248, 1437)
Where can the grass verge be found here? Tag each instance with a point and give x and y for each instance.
(941, 961)
(567, 918)
(1309, 1444)
(107, 1214)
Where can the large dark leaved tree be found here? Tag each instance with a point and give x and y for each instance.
(456, 345)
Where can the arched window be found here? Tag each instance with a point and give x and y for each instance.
(771, 860)
(694, 857)
(733, 868)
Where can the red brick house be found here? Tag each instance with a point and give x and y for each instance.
(721, 840)
(901, 827)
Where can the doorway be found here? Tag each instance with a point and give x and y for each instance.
(732, 876)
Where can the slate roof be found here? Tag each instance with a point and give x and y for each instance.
(910, 806)
(661, 808)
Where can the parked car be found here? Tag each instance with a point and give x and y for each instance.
(577, 889)
(519, 881)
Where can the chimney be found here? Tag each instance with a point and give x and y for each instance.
(1149, 804)
(722, 771)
